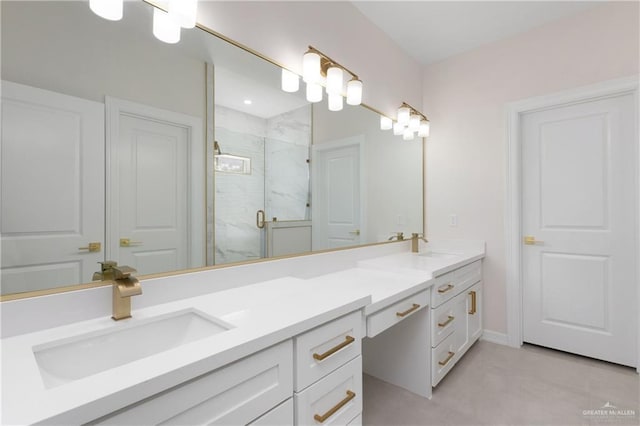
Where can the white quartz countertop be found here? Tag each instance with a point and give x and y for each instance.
(261, 314)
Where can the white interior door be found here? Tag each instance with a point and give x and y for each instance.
(336, 205)
(153, 201)
(579, 203)
(52, 199)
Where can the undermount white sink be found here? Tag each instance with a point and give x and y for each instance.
(65, 360)
(438, 255)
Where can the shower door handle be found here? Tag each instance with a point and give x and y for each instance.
(260, 215)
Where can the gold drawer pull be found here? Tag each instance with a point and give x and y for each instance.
(339, 405)
(446, 323)
(408, 311)
(447, 359)
(347, 341)
(445, 288)
(473, 302)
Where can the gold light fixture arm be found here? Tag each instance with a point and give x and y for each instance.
(327, 62)
(414, 110)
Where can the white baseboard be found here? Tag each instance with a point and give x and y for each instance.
(495, 337)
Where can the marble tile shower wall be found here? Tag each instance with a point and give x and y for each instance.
(287, 170)
(282, 189)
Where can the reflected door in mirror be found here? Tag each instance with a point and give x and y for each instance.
(52, 188)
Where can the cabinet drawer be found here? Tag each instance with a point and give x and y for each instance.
(334, 400)
(443, 358)
(390, 316)
(323, 349)
(454, 282)
(282, 415)
(234, 394)
(443, 321)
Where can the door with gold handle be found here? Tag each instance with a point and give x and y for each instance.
(126, 242)
(92, 247)
(530, 240)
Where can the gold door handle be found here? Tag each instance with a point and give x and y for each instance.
(126, 242)
(447, 359)
(347, 341)
(92, 247)
(356, 232)
(531, 240)
(472, 293)
(408, 311)
(260, 215)
(445, 288)
(339, 405)
(447, 322)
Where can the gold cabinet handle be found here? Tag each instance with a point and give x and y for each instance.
(260, 215)
(447, 322)
(92, 247)
(126, 242)
(356, 232)
(408, 311)
(472, 293)
(447, 359)
(347, 341)
(531, 240)
(445, 288)
(339, 405)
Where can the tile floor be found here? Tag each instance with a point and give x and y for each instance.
(499, 385)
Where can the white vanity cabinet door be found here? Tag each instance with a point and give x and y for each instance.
(390, 316)
(325, 348)
(357, 421)
(232, 395)
(474, 312)
(282, 415)
(334, 400)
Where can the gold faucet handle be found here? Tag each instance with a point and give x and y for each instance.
(122, 272)
(420, 236)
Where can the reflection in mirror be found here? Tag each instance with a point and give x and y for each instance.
(366, 183)
(109, 152)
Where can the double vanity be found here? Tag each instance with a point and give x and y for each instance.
(278, 342)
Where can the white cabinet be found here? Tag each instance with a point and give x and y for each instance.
(328, 379)
(232, 395)
(391, 315)
(456, 317)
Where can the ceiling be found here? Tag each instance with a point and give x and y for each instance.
(431, 31)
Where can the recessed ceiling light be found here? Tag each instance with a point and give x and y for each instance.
(248, 102)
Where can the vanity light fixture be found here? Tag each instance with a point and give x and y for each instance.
(166, 24)
(164, 27)
(107, 9)
(319, 69)
(409, 123)
(290, 81)
(385, 123)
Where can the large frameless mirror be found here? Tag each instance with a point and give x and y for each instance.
(116, 146)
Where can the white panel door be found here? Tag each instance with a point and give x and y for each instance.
(52, 188)
(152, 196)
(337, 208)
(579, 203)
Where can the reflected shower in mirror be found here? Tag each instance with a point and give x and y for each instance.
(109, 152)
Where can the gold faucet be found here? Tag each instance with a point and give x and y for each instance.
(398, 236)
(124, 286)
(106, 271)
(415, 248)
